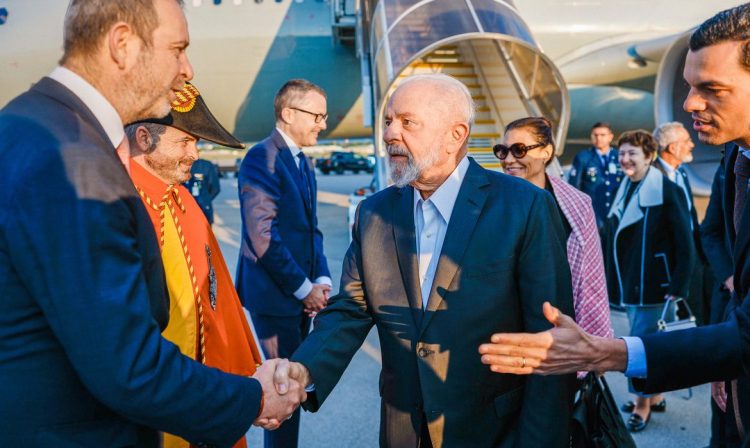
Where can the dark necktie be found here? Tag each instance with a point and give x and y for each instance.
(305, 175)
(742, 175)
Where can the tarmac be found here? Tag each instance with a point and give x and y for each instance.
(350, 416)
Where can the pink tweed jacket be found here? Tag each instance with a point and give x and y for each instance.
(590, 298)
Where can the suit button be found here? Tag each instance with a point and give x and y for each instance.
(423, 352)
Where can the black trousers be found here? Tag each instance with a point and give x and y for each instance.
(279, 338)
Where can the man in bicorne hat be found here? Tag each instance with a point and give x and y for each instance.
(206, 320)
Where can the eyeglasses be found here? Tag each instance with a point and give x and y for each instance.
(318, 117)
(518, 150)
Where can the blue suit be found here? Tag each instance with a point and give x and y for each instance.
(600, 180)
(724, 348)
(82, 359)
(281, 248)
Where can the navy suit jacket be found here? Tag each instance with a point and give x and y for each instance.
(724, 348)
(281, 242)
(82, 359)
(502, 257)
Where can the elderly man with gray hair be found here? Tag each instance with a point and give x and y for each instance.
(675, 148)
(438, 262)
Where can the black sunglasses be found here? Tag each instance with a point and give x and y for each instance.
(318, 117)
(518, 150)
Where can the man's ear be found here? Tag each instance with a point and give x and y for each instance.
(459, 134)
(143, 141)
(121, 44)
(286, 115)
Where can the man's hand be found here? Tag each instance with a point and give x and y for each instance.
(566, 348)
(729, 283)
(277, 407)
(317, 299)
(289, 372)
(719, 394)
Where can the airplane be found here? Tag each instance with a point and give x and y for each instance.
(575, 61)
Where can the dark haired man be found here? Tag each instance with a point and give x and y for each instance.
(717, 69)
(82, 360)
(282, 273)
(596, 171)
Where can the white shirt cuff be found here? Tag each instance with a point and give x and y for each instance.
(323, 280)
(637, 367)
(303, 290)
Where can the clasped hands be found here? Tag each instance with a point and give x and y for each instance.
(283, 384)
(317, 299)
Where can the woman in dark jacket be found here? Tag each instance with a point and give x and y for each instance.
(649, 247)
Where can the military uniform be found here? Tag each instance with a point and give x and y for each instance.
(599, 177)
(204, 186)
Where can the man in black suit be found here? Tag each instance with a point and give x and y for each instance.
(717, 69)
(82, 360)
(282, 273)
(438, 262)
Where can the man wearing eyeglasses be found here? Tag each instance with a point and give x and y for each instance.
(282, 273)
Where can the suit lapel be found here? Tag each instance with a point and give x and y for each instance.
(463, 220)
(730, 158)
(291, 165)
(404, 234)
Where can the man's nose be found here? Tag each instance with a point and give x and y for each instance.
(186, 68)
(693, 102)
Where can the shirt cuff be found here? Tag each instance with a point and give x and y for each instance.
(324, 280)
(637, 367)
(303, 290)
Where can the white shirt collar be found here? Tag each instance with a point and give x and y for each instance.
(668, 168)
(444, 198)
(103, 110)
(290, 143)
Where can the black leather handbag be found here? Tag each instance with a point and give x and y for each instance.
(596, 421)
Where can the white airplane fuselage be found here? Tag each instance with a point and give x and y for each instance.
(242, 51)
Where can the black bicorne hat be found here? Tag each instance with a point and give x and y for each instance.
(190, 114)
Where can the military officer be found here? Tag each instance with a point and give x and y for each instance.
(204, 186)
(596, 171)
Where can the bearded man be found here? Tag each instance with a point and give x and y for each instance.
(206, 320)
(438, 262)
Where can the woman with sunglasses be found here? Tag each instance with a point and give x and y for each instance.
(526, 150)
(650, 251)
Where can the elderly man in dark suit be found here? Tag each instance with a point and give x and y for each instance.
(438, 262)
(282, 274)
(82, 360)
(718, 72)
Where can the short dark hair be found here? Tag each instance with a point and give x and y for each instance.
(541, 129)
(732, 24)
(86, 21)
(601, 124)
(156, 130)
(291, 92)
(641, 139)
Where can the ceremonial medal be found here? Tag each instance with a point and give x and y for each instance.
(211, 280)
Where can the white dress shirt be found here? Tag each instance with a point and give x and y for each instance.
(307, 285)
(103, 110)
(431, 219)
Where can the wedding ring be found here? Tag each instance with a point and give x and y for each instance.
(523, 362)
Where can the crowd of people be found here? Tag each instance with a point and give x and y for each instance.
(122, 326)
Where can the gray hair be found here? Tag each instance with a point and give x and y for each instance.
(451, 84)
(155, 130)
(86, 21)
(666, 133)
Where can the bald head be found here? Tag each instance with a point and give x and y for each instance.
(446, 93)
(427, 123)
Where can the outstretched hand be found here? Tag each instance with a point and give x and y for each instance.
(277, 406)
(566, 348)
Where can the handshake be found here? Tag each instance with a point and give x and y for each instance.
(284, 384)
